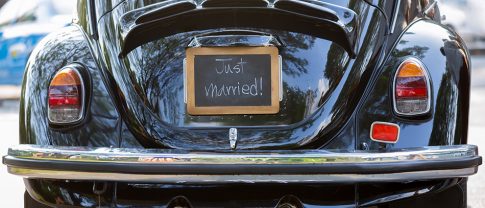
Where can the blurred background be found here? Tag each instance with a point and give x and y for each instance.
(23, 23)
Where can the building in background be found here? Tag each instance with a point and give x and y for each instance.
(23, 23)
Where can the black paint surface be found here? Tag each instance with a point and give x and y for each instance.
(245, 80)
(134, 105)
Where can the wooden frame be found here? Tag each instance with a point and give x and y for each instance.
(227, 110)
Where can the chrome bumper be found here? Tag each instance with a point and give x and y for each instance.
(310, 166)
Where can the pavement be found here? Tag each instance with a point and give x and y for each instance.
(476, 130)
(11, 193)
(13, 187)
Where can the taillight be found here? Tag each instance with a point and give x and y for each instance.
(66, 97)
(411, 88)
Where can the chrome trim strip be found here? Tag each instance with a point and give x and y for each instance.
(180, 179)
(160, 156)
(45, 155)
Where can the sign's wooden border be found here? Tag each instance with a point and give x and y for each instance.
(226, 110)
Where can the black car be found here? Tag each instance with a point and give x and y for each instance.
(247, 103)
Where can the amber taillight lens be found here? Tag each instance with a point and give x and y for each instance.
(411, 88)
(66, 97)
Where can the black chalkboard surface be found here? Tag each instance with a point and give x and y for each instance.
(232, 80)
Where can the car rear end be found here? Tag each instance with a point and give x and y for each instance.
(242, 104)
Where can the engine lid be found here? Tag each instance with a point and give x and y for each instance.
(320, 80)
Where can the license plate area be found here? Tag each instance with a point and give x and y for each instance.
(232, 80)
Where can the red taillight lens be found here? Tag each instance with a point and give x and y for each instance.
(411, 88)
(384, 132)
(66, 97)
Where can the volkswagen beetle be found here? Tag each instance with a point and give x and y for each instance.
(254, 103)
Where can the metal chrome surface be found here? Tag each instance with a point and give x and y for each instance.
(233, 137)
(160, 156)
(214, 179)
(157, 157)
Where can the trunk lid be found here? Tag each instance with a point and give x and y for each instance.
(320, 77)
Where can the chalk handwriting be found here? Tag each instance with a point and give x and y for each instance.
(227, 68)
(235, 89)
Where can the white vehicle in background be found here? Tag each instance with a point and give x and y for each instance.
(23, 23)
(466, 17)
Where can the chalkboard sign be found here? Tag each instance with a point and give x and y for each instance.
(232, 80)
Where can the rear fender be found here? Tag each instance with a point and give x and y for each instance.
(445, 56)
(101, 124)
